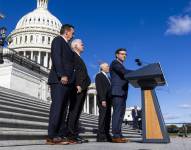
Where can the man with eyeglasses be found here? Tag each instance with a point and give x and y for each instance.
(119, 94)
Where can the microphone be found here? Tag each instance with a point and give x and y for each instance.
(138, 61)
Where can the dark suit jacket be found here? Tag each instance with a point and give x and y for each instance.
(62, 61)
(134, 114)
(103, 87)
(82, 77)
(118, 82)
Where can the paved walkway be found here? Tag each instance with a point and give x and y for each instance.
(176, 144)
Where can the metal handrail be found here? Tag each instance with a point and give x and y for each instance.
(186, 123)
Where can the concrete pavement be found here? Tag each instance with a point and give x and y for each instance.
(176, 144)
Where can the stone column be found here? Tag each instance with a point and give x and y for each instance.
(24, 53)
(46, 60)
(39, 57)
(85, 106)
(32, 55)
(97, 110)
(95, 105)
(88, 104)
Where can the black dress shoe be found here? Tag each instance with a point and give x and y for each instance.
(82, 139)
(77, 140)
(109, 138)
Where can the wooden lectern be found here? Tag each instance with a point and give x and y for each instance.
(153, 125)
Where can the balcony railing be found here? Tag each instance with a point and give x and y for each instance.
(14, 56)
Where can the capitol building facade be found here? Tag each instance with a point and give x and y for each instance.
(31, 39)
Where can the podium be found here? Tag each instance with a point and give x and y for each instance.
(148, 78)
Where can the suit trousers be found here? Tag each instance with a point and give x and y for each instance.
(135, 122)
(60, 95)
(119, 106)
(104, 120)
(75, 110)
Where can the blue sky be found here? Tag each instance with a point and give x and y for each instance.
(154, 31)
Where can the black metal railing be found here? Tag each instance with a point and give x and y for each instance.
(179, 129)
(14, 56)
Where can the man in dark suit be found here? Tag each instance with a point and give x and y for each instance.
(135, 116)
(103, 87)
(61, 80)
(140, 119)
(119, 94)
(79, 92)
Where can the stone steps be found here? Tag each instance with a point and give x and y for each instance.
(31, 101)
(15, 117)
(10, 92)
(8, 134)
(4, 101)
(22, 110)
(31, 117)
(24, 120)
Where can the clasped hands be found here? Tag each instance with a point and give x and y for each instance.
(64, 80)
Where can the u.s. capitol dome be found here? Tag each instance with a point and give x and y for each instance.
(34, 33)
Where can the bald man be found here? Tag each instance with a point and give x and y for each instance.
(103, 87)
(79, 93)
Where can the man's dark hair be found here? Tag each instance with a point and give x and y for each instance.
(119, 50)
(65, 28)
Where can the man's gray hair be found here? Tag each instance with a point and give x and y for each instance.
(75, 42)
(102, 65)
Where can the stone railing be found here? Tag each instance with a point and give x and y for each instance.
(13, 56)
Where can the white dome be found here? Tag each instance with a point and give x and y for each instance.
(34, 33)
(40, 17)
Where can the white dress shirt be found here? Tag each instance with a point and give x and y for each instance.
(106, 76)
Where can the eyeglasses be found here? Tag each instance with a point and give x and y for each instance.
(125, 54)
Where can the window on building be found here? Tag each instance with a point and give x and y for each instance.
(43, 54)
(35, 56)
(31, 38)
(28, 54)
(43, 39)
(25, 39)
(48, 40)
(20, 39)
(21, 53)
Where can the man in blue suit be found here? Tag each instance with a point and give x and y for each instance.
(61, 80)
(119, 94)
